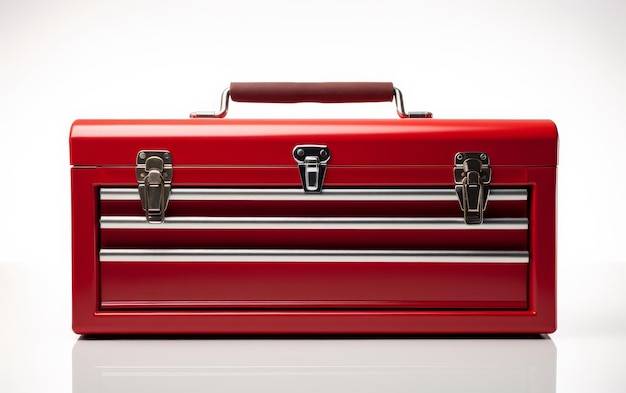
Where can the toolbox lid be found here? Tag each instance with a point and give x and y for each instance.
(268, 142)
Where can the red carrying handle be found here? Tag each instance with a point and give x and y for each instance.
(326, 92)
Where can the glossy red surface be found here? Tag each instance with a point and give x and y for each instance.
(156, 237)
(408, 152)
(310, 239)
(259, 143)
(312, 208)
(313, 285)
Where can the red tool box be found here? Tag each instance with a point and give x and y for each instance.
(410, 225)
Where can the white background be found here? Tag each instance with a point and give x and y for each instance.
(63, 60)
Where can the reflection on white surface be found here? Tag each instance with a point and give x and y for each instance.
(315, 365)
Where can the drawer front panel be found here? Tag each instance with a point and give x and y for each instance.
(207, 285)
(284, 249)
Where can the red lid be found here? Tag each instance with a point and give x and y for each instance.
(235, 142)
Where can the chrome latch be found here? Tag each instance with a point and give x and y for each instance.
(154, 174)
(312, 161)
(472, 175)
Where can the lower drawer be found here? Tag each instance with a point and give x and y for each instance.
(228, 279)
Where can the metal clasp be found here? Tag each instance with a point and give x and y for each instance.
(154, 174)
(472, 175)
(312, 162)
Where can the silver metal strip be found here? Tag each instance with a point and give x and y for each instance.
(312, 223)
(397, 95)
(296, 194)
(223, 108)
(282, 255)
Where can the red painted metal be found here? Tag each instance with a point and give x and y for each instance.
(257, 153)
(270, 208)
(314, 285)
(314, 239)
(310, 239)
(262, 143)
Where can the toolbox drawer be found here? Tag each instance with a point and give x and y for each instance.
(345, 248)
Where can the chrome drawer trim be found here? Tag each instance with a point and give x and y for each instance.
(335, 256)
(312, 223)
(296, 194)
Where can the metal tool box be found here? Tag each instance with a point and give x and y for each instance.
(412, 225)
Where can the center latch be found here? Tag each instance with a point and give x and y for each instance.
(312, 161)
(472, 175)
(154, 174)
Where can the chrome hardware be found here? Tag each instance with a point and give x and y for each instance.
(408, 194)
(472, 175)
(397, 96)
(223, 108)
(307, 255)
(154, 174)
(315, 223)
(312, 160)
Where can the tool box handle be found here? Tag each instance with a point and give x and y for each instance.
(322, 92)
(329, 92)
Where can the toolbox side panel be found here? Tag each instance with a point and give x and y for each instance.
(85, 274)
(542, 239)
